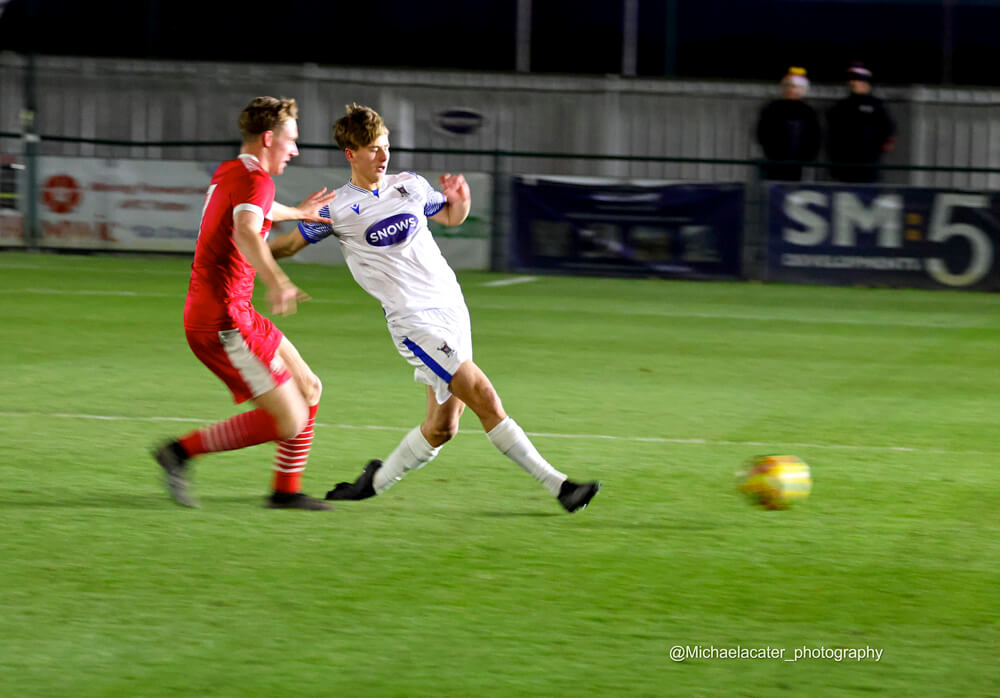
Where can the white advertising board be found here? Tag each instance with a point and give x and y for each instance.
(155, 206)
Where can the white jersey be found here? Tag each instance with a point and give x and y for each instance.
(388, 246)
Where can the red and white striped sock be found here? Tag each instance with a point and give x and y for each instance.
(239, 431)
(292, 455)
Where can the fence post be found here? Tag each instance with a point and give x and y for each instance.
(32, 233)
(32, 226)
(500, 215)
(755, 227)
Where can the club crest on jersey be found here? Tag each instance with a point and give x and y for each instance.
(448, 351)
(402, 191)
(392, 230)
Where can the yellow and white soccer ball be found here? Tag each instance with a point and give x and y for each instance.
(775, 482)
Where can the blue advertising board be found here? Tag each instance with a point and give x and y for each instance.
(883, 236)
(606, 228)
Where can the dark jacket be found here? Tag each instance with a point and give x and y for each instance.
(788, 129)
(858, 128)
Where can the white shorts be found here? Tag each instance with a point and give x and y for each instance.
(435, 343)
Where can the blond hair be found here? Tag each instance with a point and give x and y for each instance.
(359, 127)
(266, 114)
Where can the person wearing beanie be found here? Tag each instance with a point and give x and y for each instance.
(859, 130)
(789, 129)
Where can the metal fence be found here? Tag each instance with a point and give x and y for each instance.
(603, 126)
(19, 186)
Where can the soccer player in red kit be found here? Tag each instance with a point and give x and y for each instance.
(244, 349)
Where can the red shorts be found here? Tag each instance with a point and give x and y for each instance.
(245, 359)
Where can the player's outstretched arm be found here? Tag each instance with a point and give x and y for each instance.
(282, 294)
(456, 192)
(307, 210)
(287, 244)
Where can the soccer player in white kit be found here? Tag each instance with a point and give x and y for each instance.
(380, 220)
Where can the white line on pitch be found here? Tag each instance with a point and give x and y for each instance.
(92, 292)
(511, 281)
(537, 435)
(139, 294)
(134, 270)
(822, 319)
(571, 310)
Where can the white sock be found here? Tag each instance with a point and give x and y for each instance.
(511, 441)
(412, 452)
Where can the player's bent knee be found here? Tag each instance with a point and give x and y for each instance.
(473, 387)
(292, 420)
(313, 390)
(440, 429)
(444, 434)
(289, 429)
(487, 405)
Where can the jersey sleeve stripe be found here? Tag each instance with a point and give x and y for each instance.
(435, 202)
(253, 208)
(314, 232)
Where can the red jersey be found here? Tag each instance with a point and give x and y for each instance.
(219, 295)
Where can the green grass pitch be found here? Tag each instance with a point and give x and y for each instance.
(467, 579)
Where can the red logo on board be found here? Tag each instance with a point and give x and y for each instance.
(61, 193)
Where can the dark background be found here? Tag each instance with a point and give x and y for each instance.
(902, 41)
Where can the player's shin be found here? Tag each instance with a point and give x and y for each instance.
(510, 440)
(290, 461)
(412, 452)
(239, 431)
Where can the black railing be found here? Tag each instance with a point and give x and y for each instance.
(502, 153)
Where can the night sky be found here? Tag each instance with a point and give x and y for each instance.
(902, 41)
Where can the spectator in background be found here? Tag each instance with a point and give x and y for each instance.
(788, 129)
(859, 130)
